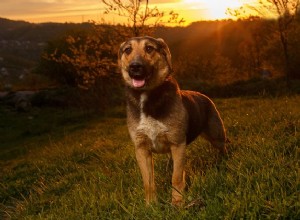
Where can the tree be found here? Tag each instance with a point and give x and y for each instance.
(83, 56)
(87, 58)
(87, 55)
(285, 12)
(216, 69)
(84, 60)
(253, 47)
(141, 17)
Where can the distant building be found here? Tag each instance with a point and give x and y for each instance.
(4, 71)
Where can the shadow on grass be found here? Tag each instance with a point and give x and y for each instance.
(22, 131)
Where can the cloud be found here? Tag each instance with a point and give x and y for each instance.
(30, 10)
(42, 7)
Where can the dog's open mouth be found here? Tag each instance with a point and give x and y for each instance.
(138, 83)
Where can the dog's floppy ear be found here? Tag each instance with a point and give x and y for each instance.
(120, 53)
(121, 49)
(166, 52)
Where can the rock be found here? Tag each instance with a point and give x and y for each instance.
(22, 102)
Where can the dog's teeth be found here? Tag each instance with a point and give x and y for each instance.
(138, 82)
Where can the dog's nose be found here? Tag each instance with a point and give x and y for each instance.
(136, 67)
(137, 70)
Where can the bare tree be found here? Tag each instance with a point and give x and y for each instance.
(140, 15)
(285, 12)
(90, 55)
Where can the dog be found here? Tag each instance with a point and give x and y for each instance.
(161, 118)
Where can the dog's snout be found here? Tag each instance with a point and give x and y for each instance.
(135, 67)
(137, 70)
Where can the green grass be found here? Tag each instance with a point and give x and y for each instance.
(59, 164)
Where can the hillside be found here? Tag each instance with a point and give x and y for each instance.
(222, 51)
(26, 40)
(21, 45)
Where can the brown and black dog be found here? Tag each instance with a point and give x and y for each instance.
(162, 118)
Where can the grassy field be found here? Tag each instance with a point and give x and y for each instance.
(58, 164)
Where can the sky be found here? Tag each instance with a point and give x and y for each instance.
(38, 11)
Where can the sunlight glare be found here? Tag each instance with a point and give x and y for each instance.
(216, 8)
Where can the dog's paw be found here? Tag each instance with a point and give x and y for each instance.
(177, 203)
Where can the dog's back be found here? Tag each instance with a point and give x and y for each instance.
(203, 117)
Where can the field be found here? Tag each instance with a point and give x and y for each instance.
(68, 164)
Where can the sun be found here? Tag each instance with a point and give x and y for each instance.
(215, 9)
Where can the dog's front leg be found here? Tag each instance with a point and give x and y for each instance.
(178, 177)
(145, 161)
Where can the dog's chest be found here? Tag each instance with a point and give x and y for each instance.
(152, 128)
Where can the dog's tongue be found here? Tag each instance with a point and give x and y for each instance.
(138, 82)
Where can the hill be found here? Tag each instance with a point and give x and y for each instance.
(22, 43)
(219, 51)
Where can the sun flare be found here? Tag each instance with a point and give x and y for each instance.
(216, 9)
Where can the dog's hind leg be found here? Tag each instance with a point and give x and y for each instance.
(215, 131)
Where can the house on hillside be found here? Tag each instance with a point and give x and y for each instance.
(4, 71)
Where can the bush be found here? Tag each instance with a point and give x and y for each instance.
(252, 87)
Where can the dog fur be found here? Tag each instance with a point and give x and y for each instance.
(162, 118)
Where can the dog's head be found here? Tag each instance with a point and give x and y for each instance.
(145, 62)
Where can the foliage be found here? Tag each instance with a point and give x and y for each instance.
(83, 56)
(217, 69)
(253, 49)
(86, 59)
(59, 164)
(141, 17)
(250, 46)
(285, 12)
(294, 46)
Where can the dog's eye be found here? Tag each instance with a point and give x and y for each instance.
(128, 50)
(149, 49)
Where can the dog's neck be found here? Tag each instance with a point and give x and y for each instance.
(155, 102)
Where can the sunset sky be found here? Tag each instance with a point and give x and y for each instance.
(85, 10)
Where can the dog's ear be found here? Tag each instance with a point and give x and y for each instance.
(120, 53)
(121, 50)
(166, 52)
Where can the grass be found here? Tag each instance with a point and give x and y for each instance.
(59, 164)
